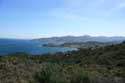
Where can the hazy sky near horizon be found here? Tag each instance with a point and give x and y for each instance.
(45, 18)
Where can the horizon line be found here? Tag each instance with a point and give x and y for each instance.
(61, 36)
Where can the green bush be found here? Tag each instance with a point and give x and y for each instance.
(51, 73)
(55, 73)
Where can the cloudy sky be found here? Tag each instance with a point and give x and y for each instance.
(45, 18)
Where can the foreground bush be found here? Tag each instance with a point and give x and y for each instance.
(55, 73)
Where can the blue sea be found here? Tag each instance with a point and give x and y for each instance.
(9, 46)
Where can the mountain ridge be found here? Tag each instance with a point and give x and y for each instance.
(85, 38)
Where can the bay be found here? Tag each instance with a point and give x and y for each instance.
(9, 46)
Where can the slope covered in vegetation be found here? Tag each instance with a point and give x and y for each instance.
(98, 65)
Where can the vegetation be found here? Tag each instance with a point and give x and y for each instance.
(98, 65)
(89, 44)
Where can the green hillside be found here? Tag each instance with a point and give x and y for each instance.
(98, 65)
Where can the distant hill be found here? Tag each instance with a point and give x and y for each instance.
(89, 44)
(74, 39)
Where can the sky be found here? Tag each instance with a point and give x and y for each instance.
(46, 18)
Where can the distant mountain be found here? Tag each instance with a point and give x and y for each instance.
(74, 39)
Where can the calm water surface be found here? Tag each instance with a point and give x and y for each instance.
(8, 46)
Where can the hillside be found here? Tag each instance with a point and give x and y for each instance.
(99, 65)
(74, 39)
(89, 44)
(108, 55)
